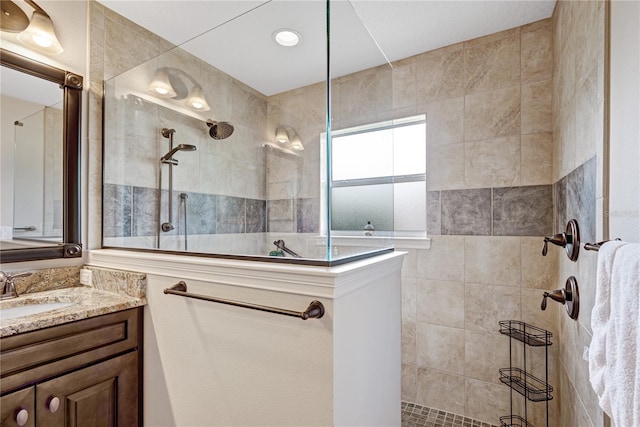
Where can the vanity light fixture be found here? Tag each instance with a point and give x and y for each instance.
(161, 86)
(282, 136)
(287, 138)
(196, 99)
(37, 34)
(286, 37)
(169, 82)
(296, 143)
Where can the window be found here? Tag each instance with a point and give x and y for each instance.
(379, 175)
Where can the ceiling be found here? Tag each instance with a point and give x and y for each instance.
(235, 36)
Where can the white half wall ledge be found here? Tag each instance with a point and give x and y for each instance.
(315, 281)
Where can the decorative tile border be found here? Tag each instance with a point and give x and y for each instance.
(414, 415)
(500, 211)
(132, 212)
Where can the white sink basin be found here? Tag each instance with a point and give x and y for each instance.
(30, 309)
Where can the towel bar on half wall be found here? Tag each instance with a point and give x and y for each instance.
(595, 246)
(315, 310)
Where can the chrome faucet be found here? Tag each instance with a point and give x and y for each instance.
(7, 287)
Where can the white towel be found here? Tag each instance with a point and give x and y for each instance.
(614, 354)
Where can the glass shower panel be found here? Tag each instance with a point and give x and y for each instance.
(211, 150)
(361, 95)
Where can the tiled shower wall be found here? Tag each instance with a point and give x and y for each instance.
(488, 107)
(234, 186)
(578, 117)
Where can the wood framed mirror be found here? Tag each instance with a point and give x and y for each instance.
(67, 244)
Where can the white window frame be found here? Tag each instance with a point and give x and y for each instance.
(402, 239)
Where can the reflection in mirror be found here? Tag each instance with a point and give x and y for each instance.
(32, 116)
(40, 112)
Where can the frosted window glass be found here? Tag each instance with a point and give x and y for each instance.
(352, 207)
(409, 150)
(363, 155)
(410, 206)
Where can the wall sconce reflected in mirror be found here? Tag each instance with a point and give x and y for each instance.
(38, 34)
(169, 82)
(287, 137)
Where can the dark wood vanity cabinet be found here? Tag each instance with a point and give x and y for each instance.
(86, 373)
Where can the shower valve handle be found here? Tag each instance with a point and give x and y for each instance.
(557, 295)
(558, 239)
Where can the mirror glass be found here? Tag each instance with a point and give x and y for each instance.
(32, 146)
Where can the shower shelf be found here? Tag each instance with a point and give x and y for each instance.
(514, 421)
(520, 380)
(523, 332)
(526, 384)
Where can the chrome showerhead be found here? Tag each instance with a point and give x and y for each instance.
(219, 130)
(182, 147)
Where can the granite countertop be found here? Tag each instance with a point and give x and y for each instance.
(112, 291)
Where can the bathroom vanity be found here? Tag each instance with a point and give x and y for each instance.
(80, 373)
(71, 355)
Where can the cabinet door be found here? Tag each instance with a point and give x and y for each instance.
(17, 406)
(102, 395)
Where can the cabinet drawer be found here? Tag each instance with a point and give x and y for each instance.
(33, 356)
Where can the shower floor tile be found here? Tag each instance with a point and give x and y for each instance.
(420, 416)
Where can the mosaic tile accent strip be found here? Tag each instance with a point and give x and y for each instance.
(421, 416)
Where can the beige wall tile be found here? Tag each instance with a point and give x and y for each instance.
(492, 65)
(445, 121)
(409, 298)
(491, 114)
(537, 271)
(404, 83)
(582, 385)
(121, 32)
(409, 383)
(492, 162)
(537, 58)
(408, 342)
(587, 118)
(536, 161)
(485, 401)
(492, 37)
(484, 354)
(586, 277)
(441, 390)
(445, 167)
(567, 345)
(444, 260)
(493, 260)
(536, 107)
(440, 74)
(533, 314)
(441, 303)
(486, 305)
(430, 342)
(410, 263)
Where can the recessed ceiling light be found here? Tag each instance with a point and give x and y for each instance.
(286, 37)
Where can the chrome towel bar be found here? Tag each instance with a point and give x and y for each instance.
(315, 310)
(595, 246)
